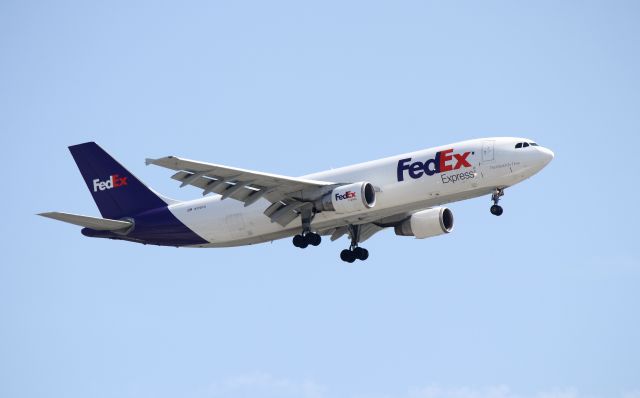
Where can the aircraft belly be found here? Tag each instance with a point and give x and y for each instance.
(228, 223)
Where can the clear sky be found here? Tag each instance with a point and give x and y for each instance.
(541, 302)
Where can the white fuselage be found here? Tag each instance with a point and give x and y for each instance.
(401, 187)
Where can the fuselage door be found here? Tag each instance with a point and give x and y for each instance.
(487, 151)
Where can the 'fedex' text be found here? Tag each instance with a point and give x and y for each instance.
(444, 161)
(346, 195)
(113, 181)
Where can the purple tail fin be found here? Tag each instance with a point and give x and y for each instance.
(116, 191)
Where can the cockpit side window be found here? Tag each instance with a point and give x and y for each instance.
(534, 144)
(519, 145)
(526, 144)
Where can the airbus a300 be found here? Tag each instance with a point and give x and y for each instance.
(404, 192)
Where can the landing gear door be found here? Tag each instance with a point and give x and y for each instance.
(487, 151)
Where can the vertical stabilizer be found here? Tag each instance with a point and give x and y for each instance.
(116, 191)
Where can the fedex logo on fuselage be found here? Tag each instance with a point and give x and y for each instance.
(444, 161)
(346, 195)
(114, 181)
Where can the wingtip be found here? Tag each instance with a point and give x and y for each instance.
(158, 161)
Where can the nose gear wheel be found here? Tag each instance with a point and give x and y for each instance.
(496, 209)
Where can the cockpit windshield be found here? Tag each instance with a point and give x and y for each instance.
(520, 145)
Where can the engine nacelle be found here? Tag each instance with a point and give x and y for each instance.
(349, 198)
(427, 223)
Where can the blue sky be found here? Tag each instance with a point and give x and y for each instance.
(541, 302)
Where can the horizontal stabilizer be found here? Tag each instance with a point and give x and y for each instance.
(99, 224)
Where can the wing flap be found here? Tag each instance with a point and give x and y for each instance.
(99, 224)
(239, 190)
(368, 230)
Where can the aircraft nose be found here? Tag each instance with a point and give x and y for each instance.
(547, 154)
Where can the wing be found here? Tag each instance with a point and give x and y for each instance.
(367, 230)
(288, 195)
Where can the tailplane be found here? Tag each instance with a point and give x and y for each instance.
(116, 191)
(99, 224)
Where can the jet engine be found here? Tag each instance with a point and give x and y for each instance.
(349, 198)
(427, 223)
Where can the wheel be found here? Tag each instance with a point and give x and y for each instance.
(347, 256)
(300, 241)
(313, 239)
(361, 253)
(496, 210)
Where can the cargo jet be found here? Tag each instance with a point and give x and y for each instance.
(404, 192)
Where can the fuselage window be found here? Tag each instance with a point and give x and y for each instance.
(519, 145)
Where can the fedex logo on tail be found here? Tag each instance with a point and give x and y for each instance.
(114, 181)
(444, 161)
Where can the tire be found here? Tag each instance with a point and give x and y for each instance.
(361, 253)
(496, 210)
(347, 256)
(313, 239)
(300, 241)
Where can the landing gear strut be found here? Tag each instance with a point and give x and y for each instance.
(354, 252)
(496, 209)
(307, 237)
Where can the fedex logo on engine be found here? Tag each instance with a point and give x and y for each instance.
(346, 195)
(114, 181)
(444, 161)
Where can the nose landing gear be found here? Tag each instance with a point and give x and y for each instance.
(496, 209)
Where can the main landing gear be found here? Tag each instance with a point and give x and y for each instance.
(496, 209)
(307, 237)
(354, 252)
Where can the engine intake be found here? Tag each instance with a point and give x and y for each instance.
(349, 198)
(427, 223)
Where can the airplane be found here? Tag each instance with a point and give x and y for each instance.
(404, 192)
